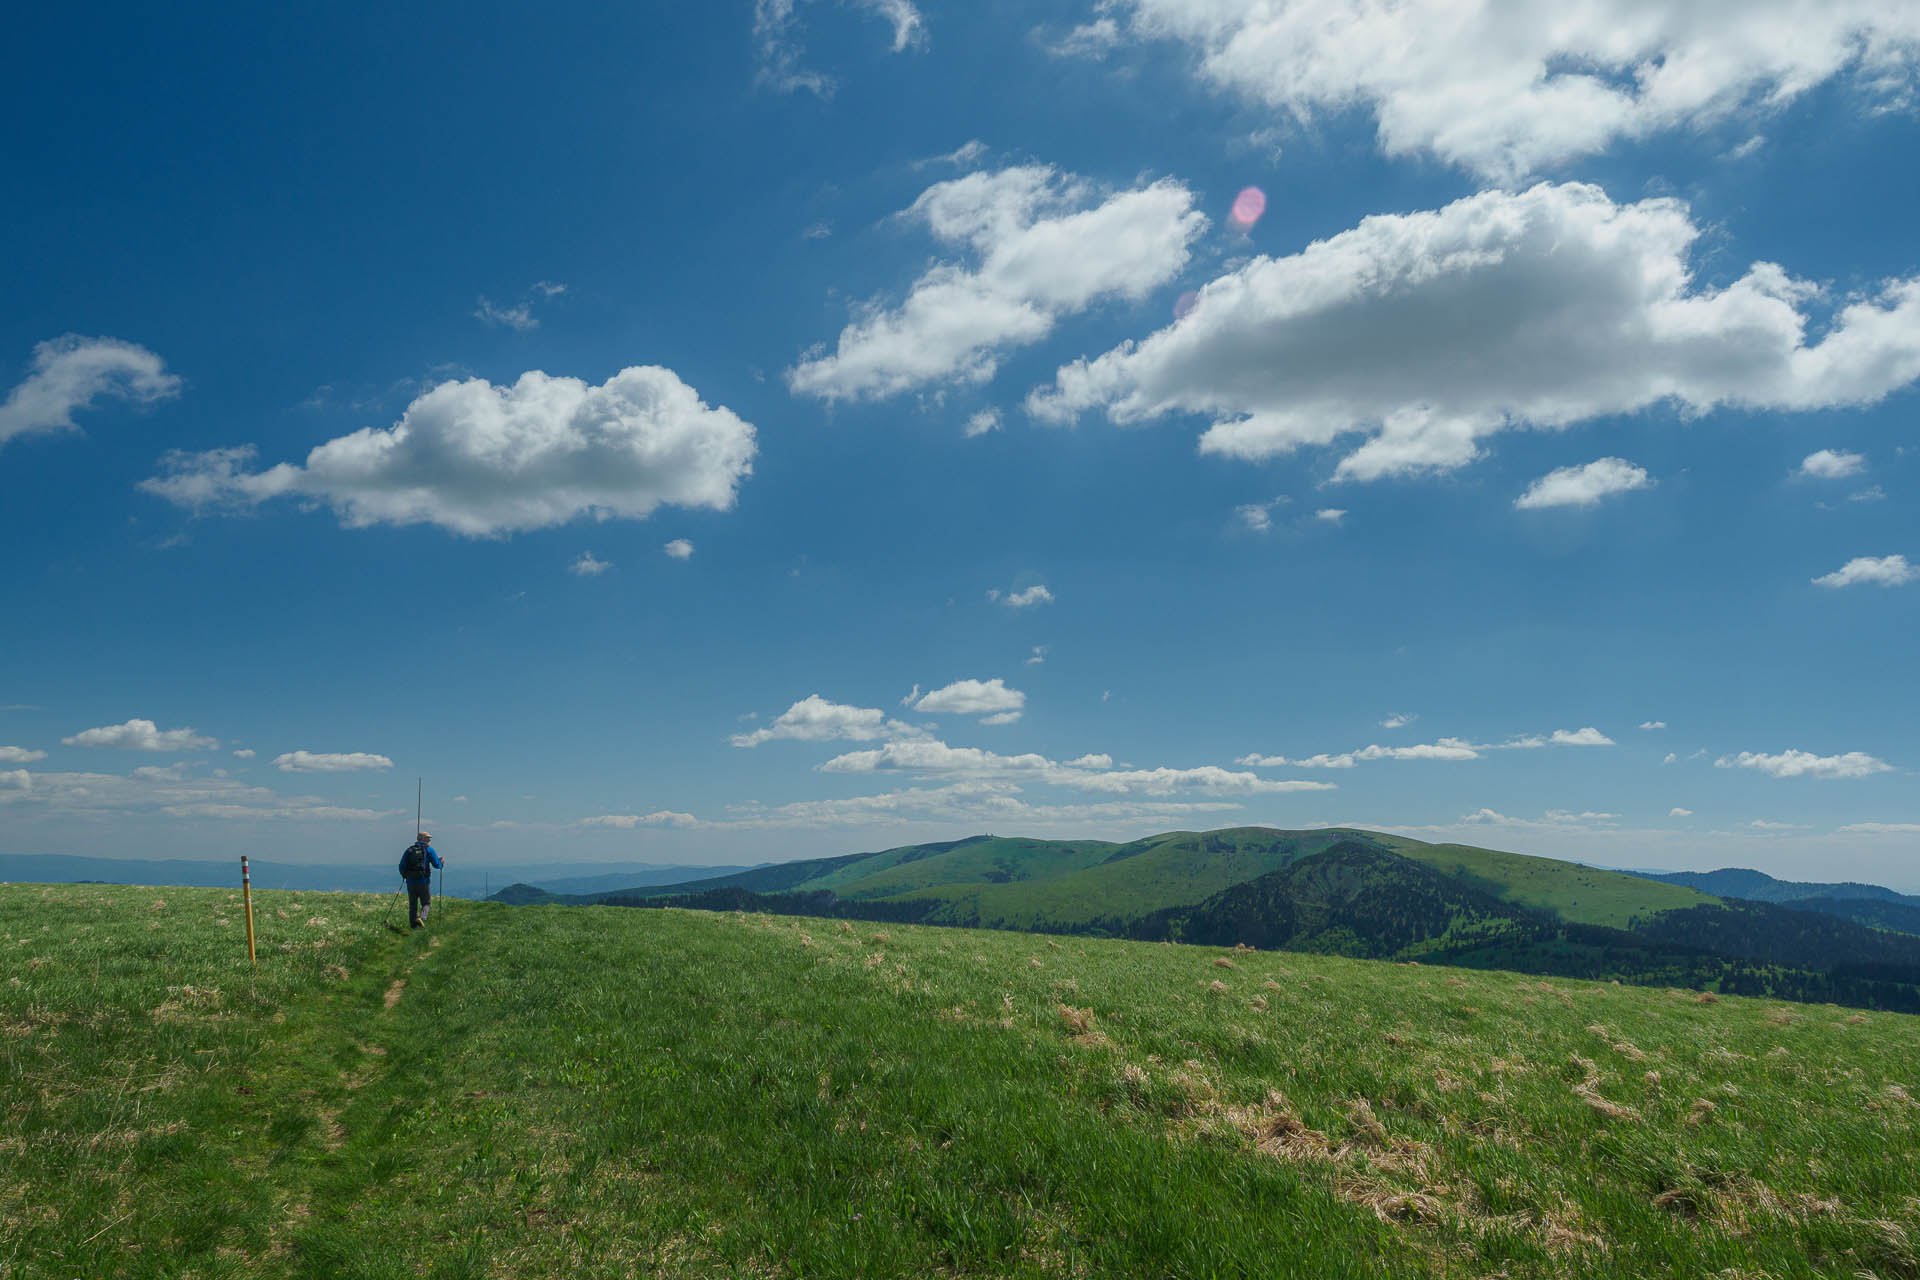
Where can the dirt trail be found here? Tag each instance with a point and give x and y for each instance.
(395, 991)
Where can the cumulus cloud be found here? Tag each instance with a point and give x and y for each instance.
(1091, 40)
(1331, 515)
(1832, 464)
(73, 372)
(484, 460)
(628, 821)
(814, 719)
(1039, 655)
(679, 549)
(1043, 245)
(1677, 812)
(244, 753)
(518, 316)
(1882, 571)
(173, 792)
(982, 422)
(141, 735)
(1399, 720)
(1583, 486)
(1444, 749)
(15, 780)
(1804, 764)
(1653, 724)
(1587, 737)
(978, 804)
(1884, 828)
(778, 47)
(1026, 599)
(329, 762)
(1428, 332)
(974, 698)
(930, 757)
(20, 755)
(587, 567)
(1504, 89)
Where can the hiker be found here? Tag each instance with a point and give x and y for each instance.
(417, 865)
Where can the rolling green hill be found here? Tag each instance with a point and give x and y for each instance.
(604, 1093)
(1343, 891)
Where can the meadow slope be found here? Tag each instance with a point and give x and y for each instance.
(542, 1091)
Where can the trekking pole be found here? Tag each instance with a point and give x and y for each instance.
(246, 894)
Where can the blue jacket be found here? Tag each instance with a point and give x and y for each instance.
(433, 860)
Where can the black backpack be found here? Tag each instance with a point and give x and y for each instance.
(413, 863)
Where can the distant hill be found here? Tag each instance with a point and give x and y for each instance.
(1349, 892)
(1758, 886)
(1869, 904)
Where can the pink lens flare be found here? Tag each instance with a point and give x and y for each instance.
(1247, 208)
(1183, 305)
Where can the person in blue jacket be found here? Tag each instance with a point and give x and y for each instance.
(416, 867)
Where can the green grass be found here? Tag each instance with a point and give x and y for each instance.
(590, 1092)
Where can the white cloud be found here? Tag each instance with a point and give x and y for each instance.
(1399, 720)
(1653, 724)
(1872, 493)
(1763, 824)
(973, 698)
(628, 821)
(484, 460)
(1039, 655)
(141, 735)
(1804, 764)
(71, 373)
(20, 755)
(587, 567)
(1044, 245)
(778, 49)
(1033, 595)
(679, 549)
(964, 156)
(1504, 89)
(1832, 464)
(15, 780)
(930, 757)
(1885, 571)
(982, 422)
(1587, 737)
(978, 804)
(1091, 40)
(330, 762)
(172, 792)
(1884, 828)
(1563, 815)
(1677, 812)
(1428, 332)
(1332, 515)
(1092, 760)
(814, 719)
(1258, 516)
(1444, 749)
(1671, 757)
(1583, 486)
(244, 753)
(518, 316)
(1003, 717)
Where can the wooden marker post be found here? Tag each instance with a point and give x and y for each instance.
(246, 895)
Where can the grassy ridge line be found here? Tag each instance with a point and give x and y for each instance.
(603, 1093)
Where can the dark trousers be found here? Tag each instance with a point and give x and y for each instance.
(419, 898)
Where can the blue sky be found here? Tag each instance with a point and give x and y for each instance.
(790, 427)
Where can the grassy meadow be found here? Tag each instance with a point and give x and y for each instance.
(605, 1092)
